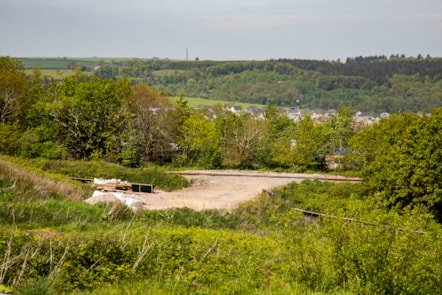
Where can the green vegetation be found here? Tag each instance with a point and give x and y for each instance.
(378, 237)
(56, 63)
(377, 83)
(101, 169)
(195, 102)
(57, 74)
(60, 246)
(402, 157)
(83, 117)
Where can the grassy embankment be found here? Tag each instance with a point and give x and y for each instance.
(52, 243)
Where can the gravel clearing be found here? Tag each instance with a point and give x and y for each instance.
(225, 189)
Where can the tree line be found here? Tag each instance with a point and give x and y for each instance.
(367, 84)
(86, 117)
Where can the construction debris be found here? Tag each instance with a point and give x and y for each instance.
(131, 200)
(114, 185)
(111, 185)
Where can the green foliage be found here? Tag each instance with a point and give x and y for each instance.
(365, 84)
(199, 142)
(194, 102)
(104, 119)
(48, 212)
(13, 88)
(38, 286)
(401, 159)
(5, 289)
(52, 242)
(32, 144)
(371, 259)
(9, 139)
(91, 115)
(202, 257)
(169, 252)
(188, 218)
(340, 128)
(152, 127)
(299, 146)
(101, 169)
(242, 140)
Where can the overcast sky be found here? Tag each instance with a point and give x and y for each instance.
(220, 30)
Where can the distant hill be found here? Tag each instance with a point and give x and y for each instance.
(375, 83)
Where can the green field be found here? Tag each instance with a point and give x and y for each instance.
(56, 73)
(63, 62)
(194, 102)
(55, 63)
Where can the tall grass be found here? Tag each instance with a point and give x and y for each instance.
(102, 169)
(34, 183)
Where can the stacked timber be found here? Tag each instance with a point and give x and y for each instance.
(111, 185)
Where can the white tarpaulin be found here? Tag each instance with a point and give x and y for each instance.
(131, 200)
(107, 181)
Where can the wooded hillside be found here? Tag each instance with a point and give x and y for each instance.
(376, 83)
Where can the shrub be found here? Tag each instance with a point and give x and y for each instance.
(38, 286)
(32, 146)
(9, 138)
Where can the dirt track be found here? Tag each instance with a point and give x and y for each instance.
(225, 189)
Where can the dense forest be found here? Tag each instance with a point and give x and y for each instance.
(378, 237)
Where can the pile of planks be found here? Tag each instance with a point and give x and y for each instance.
(113, 186)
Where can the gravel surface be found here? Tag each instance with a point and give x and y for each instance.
(218, 189)
(224, 189)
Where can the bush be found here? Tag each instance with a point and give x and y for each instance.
(32, 145)
(9, 138)
(38, 286)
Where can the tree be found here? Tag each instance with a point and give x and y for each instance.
(199, 142)
(182, 107)
(401, 161)
(13, 88)
(242, 140)
(339, 131)
(106, 72)
(91, 115)
(299, 147)
(154, 123)
(277, 130)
